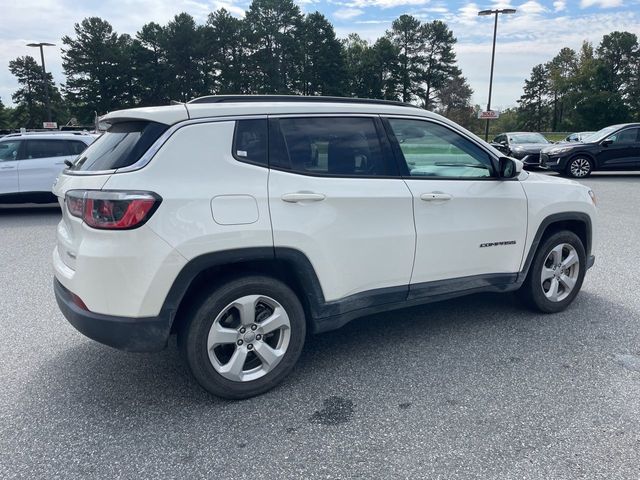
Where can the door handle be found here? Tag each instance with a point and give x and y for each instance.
(302, 197)
(435, 196)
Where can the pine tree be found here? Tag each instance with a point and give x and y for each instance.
(96, 67)
(226, 53)
(408, 37)
(324, 68)
(275, 41)
(30, 98)
(439, 60)
(533, 103)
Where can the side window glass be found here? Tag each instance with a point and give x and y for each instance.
(432, 150)
(626, 136)
(9, 150)
(250, 141)
(75, 148)
(46, 148)
(340, 146)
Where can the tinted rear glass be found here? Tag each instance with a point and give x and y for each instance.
(120, 146)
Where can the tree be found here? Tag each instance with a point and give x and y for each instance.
(408, 37)
(454, 98)
(97, 69)
(533, 104)
(30, 98)
(562, 69)
(324, 68)
(5, 116)
(150, 60)
(226, 53)
(183, 44)
(275, 40)
(439, 64)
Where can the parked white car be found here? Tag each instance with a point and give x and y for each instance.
(31, 162)
(241, 223)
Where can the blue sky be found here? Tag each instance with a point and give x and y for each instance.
(533, 35)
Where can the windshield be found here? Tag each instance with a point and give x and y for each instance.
(518, 138)
(601, 134)
(120, 146)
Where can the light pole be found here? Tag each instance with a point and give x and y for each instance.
(44, 75)
(484, 13)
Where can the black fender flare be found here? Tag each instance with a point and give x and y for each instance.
(542, 228)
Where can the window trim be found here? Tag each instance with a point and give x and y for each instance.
(385, 146)
(402, 164)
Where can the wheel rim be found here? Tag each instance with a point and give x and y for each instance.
(560, 272)
(580, 167)
(249, 338)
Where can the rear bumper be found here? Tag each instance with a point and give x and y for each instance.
(147, 334)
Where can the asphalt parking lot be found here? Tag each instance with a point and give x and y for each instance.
(470, 388)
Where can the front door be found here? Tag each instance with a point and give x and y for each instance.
(622, 152)
(468, 222)
(334, 194)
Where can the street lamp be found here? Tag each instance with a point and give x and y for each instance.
(484, 13)
(44, 75)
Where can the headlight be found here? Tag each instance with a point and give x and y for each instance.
(517, 153)
(558, 150)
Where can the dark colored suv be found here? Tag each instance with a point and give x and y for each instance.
(525, 146)
(616, 147)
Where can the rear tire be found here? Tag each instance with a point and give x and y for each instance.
(243, 338)
(556, 273)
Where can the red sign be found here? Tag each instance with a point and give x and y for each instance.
(488, 115)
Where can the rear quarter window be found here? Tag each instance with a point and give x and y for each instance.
(250, 141)
(120, 146)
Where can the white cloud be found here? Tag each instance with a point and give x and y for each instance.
(531, 8)
(347, 13)
(559, 5)
(600, 3)
(385, 3)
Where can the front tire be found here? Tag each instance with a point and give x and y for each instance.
(556, 273)
(244, 337)
(579, 167)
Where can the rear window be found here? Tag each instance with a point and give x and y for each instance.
(120, 146)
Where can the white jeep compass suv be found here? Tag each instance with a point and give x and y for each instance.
(241, 223)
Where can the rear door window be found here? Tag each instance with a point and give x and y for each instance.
(120, 146)
(335, 146)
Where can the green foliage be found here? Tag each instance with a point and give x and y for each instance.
(30, 98)
(586, 90)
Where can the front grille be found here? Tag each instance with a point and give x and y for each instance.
(544, 158)
(531, 159)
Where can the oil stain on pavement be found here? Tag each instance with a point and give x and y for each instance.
(336, 411)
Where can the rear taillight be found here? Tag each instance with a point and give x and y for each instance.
(112, 210)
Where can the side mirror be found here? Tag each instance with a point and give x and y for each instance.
(509, 167)
(606, 142)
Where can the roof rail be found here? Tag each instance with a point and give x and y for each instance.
(49, 132)
(295, 99)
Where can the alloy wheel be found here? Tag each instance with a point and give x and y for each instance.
(249, 338)
(560, 272)
(580, 167)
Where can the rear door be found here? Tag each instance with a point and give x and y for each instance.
(471, 226)
(9, 155)
(622, 152)
(335, 196)
(43, 161)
